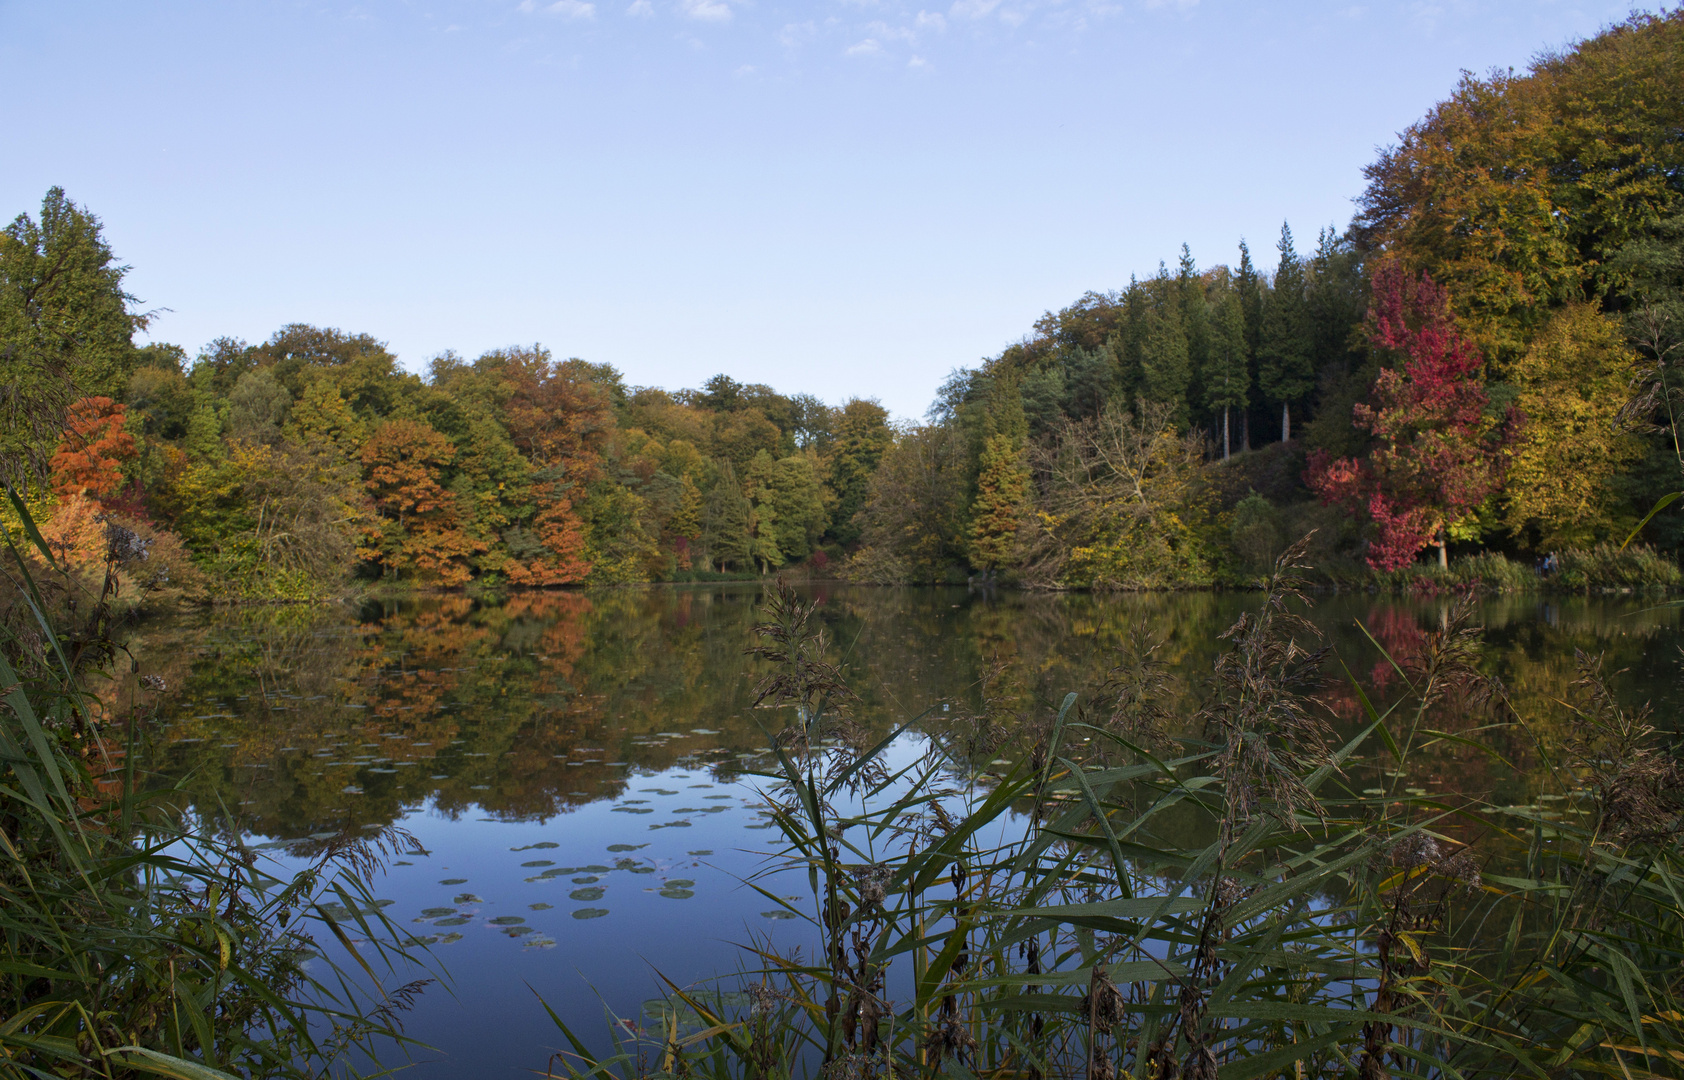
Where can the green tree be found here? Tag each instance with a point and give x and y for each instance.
(1001, 498)
(1285, 367)
(1164, 359)
(1227, 376)
(66, 329)
(727, 521)
(862, 436)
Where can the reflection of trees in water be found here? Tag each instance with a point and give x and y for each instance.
(518, 707)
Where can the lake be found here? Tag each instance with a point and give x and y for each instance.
(573, 763)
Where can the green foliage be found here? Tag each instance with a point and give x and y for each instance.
(135, 939)
(1237, 896)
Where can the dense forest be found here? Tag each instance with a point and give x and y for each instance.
(1479, 363)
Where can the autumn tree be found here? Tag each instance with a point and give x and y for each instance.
(862, 436)
(1573, 383)
(419, 530)
(66, 326)
(1437, 457)
(96, 445)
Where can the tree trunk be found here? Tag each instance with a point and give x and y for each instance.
(1286, 422)
(1443, 554)
(1245, 430)
(1226, 453)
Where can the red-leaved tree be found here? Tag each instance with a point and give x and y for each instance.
(1438, 456)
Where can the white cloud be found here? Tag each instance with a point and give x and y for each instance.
(706, 10)
(868, 47)
(795, 35)
(930, 20)
(641, 9)
(885, 32)
(572, 9)
(917, 62)
(972, 9)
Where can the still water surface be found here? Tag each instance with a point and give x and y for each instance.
(573, 763)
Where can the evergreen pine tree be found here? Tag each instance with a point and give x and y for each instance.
(1250, 288)
(1002, 491)
(1284, 362)
(726, 521)
(1227, 376)
(1164, 361)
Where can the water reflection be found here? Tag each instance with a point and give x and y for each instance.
(307, 721)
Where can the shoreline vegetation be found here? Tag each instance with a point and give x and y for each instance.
(1109, 889)
(1477, 373)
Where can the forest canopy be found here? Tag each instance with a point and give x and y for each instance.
(1481, 361)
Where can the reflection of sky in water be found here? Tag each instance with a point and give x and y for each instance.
(570, 760)
(593, 903)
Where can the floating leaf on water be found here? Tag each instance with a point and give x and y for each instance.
(677, 894)
(715, 809)
(640, 869)
(403, 862)
(587, 880)
(591, 892)
(467, 898)
(595, 869)
(690, 810)
(508, 920)
(540, 942)
(679, 883)
(702, 852)
(454, 881)
(779, 914)
(458, 920)
(671, 825)
(657, 791)
(718, 796)
(539, 907)
(542, 845)
(633, 810)
(435, 912)
(626, 847)
(430, 939)
(539, 862)
(590, 913)
(450, 938)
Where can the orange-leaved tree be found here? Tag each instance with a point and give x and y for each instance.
(90, 458)
(419, 530)
(562, 420)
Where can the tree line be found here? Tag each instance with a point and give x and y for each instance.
(1482, 359)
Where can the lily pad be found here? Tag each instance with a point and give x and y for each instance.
(508, 920)
(454, 881)
(539, 907)
(542, 845)
(657, 791)
(626, 847)
(449, 939)
(467, 898)
(677, 894)
(590, 913)
(437, 912)
(633, 810)
(586, 879)
(539, 862)
(590, 892)
(517, 931)
(679, 883)
(705, 851)
(459, 920)
(540, 942)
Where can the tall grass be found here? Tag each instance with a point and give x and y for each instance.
(1248, 897)
(136, 939)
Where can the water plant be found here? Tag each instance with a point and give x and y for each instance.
(139, 939)
(1245, 896)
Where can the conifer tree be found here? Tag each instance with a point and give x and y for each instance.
(1285, 371)
(1002, 492)
(1164, 358)
(1250, 288)
(727, 520)
(1227, 378)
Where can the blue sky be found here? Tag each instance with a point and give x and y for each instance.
(845, 197)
